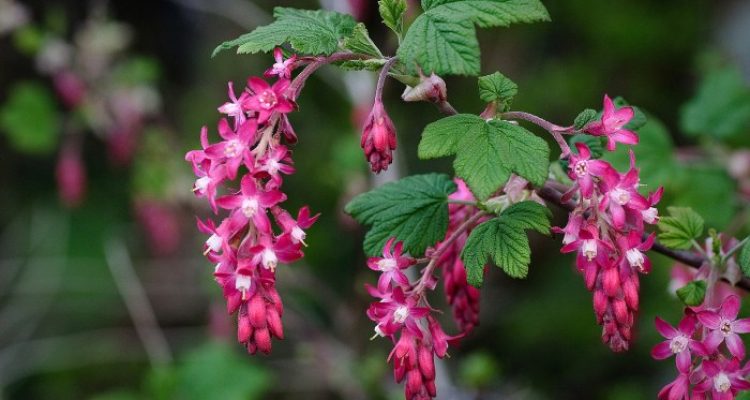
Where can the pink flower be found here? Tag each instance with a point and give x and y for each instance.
(394, 311)
(236, 107)
(724, 379)
(725, 327)
(679, 342)
(235, 149)
(266, 99)
(251, 203)
(276, 161)
(390, 265)
(295, 229)
(633, 248)
(268, 253)
(623, 200)
(378, 138)
(611, 125)
(281, 68)
(676, 390)
(582, 169)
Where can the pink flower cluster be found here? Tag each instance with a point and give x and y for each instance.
(245, 246)
(462, 297)
(706, 368)
(403, 311)
(606, 229)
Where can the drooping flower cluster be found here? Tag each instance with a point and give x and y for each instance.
(708, 353)
(606, 229)
(403, 315)
(245, 246)
(462, 297)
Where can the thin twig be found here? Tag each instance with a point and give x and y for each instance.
(427, 272)
(144, 319)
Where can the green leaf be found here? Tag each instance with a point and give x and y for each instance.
(680, 228)
(359, 42)
(639, 118)
(487, 152)
(586, 116)
(693, 293)
(497, 87)
(413, 210)
(443, 39)
(721, 108)
(29, 118)
(307, 31)
(392, 12)
(744, 259)
(503, 240)
(440, 138)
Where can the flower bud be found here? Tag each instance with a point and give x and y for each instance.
(71, 176)
(378, 138)
(430, 88)
(263, 340)
(69, 88)
(256, 310)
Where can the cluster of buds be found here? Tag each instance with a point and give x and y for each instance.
(708, 352)
(606, 228)
(402, 314)
(245, 246)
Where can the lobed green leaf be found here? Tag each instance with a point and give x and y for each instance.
(497, 87)
(29, 118)
(307, 31)
(392, 13)
(680, 228)
(693, 293)
(413, 210)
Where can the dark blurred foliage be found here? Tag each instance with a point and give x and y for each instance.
(65, 331)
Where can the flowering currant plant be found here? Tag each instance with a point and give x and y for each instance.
(435, 229)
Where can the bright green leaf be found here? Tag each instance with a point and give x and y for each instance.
(413, 210)
(680, 228)
(721, 108)
(497, 87)
(486, 152)
(443, 39)
(693, 293)
(392, 12)
(359, 42)
(373, 64)
(307, 31)
(503, 241)
(29, 118)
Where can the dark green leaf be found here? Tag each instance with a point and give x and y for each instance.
(29, 118)
(413, 210)
(503, 241)
(693, 293)
(497, 87)
(586, 116)
(307, 31)
(639, 118)
(744, 259)
(680, 228)
(443, 39)
(392, 12)
(721, 108)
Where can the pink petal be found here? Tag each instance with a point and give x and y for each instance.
(741, 325)
(257, 85)
(583, 151)
(683, 361)
(665, 329)
(609, 108)
(709, 319)
(713, 341)
(225, 131)
(730, 307)
(735, 345)
(661, 351)
(625, 136)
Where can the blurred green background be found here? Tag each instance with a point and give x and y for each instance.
(66, 331)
